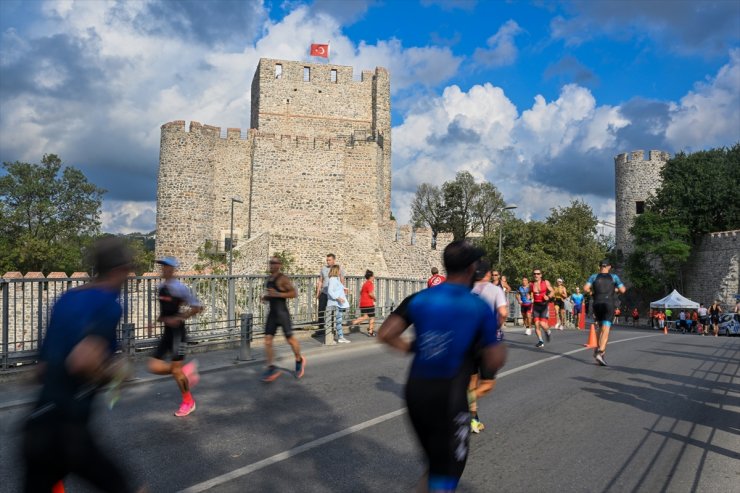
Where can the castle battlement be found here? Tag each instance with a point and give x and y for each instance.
(641, 155)
(725, 234)
(287, 72)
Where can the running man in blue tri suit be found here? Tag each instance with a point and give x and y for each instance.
(603, 287)
(452, 326)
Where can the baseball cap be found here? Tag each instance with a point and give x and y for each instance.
(483, 268)
(559, 280)
(458, 255)
(170, 261)
(605, 263)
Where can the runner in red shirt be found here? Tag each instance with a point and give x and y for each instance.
(367, 303)
(436, 278)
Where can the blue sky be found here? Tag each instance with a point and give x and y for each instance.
(536, 97)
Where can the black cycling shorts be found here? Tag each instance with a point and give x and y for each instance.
(526, 309)
(53, 448)
(479, 369)
(540, 312)
(279, 318)
(438, 409)
(604, 313)
(560, 304)
(368, 310)
(172, 342)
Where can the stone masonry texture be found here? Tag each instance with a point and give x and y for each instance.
(313, 171)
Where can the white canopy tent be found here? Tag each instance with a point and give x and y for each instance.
(674, 300)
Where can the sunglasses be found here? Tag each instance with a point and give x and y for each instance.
(537, 273)
(274, 262)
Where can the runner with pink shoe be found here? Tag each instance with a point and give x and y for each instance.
(173, 296)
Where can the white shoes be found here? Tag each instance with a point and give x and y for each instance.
(528, 332)
(342, 340)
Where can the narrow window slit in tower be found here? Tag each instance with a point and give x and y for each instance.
(640, 207)
(278, 70)
(334, 75)
(306, 74)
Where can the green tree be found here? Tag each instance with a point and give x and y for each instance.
(487, 207)
(49, 214)
(661, 247)
(460, 196)
(428, 209)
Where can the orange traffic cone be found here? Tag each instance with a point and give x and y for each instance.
(58, 487)
(592, 342)
(665, 329)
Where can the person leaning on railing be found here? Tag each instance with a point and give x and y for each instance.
(337, 299)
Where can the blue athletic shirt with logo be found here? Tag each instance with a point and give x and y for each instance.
(450, 324)
(524, 294)
(577, 299)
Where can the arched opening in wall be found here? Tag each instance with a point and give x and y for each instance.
(278, 70)
(640, 207)
(306, 74)
(333, 75)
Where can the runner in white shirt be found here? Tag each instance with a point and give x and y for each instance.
(483, 382)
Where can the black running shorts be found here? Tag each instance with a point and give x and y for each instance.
(368, 310)
(53, 448)
(279, 318)
(479, 369)
(526, 309)
(603, 312)
(560, 304)
(540, 312)
(172, 342)
(438, 409)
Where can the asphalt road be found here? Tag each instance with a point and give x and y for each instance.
(663, 417)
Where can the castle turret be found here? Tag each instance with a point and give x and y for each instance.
(636, 179)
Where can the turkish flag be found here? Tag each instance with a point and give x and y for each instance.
(320, 50)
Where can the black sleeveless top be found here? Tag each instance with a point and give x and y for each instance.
(275, 303)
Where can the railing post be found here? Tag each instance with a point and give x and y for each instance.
(6, 325)
(330, 325)
(245, 346)
(230, 304)
(127, 338)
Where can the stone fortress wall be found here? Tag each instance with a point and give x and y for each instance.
(713, 271)
(314, 172)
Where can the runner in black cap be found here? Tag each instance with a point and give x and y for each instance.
(603, 285)
(76, 358)
(451, 325)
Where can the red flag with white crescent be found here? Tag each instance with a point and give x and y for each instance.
(320, 50)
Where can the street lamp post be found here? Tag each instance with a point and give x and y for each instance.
(500, 229)
(230, 308)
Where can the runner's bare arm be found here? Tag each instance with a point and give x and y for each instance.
(391, 330)
(550, 291)
(287, 288)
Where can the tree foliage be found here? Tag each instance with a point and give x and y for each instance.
(698, 195)
(565, 245)
(460, 206)
(49, 214)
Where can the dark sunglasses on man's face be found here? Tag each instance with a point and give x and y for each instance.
(274, 262)
(537, 273)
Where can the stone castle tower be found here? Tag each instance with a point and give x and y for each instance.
(636, 179)
(313, 172)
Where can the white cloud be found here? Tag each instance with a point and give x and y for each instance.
(94, 81)
(708, 116)
(501, 49)
(128, 217)
(482, 132)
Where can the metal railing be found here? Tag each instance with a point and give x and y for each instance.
(25, 307)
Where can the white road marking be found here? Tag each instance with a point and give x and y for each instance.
(256, 466)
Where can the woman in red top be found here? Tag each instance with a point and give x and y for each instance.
(367, 303)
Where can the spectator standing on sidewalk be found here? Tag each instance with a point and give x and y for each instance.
(323, 285)
(337, 299)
